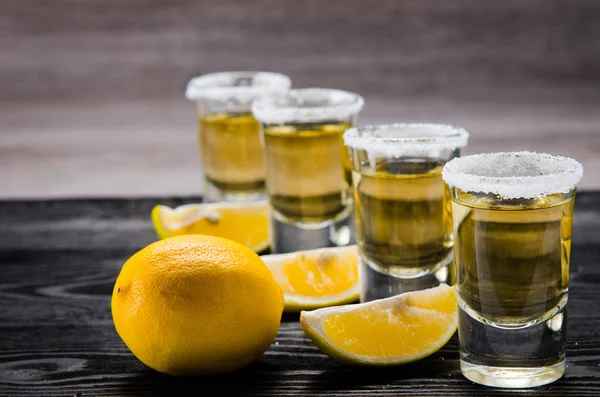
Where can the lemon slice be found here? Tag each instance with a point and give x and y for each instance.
(317, 278)
(391, 331)
(246, 223)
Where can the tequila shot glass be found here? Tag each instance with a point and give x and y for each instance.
(513, 215)
(228, 135)
(402, 208)
(308, 173)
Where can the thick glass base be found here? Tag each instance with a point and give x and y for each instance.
(291, 237)
(529, 355)
(233, 193)
(512, 377)
(378, 285)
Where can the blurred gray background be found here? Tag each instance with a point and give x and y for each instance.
(91, 91)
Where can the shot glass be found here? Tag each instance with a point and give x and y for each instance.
(228, 135)
(513, 214)
(402, 209)
(308, 173)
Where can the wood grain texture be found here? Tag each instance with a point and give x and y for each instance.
(133, 149)
(60, 258)
(92, 101)
(116, 50)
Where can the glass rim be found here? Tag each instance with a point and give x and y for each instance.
(537, 174)
(395, 137)
(221, 85)
(287, 108)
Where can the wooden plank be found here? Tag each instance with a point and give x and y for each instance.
(109, 49)
(150, 148)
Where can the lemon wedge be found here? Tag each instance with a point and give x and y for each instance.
(390, 331)
(246, 223)
(317, 278)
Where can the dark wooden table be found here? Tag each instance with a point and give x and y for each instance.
(60, 258)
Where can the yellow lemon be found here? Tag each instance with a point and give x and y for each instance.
(312, 279)
(196, 305)
(246, 223)
(390, 331)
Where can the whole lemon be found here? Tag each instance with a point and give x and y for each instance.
(196, 305)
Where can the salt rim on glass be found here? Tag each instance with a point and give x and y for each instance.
(244, 86)
(513, 175)
(394, 139)
(306, 105)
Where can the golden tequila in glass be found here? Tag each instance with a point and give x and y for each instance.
(308, 173)
(228, 135)
(403, 210)
(231, 153)
(513, 215)
(404, 218)
(310, 179)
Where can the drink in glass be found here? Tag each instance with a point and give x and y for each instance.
(308, 172)
(402, 208)
(513, 215)
(228, 134)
